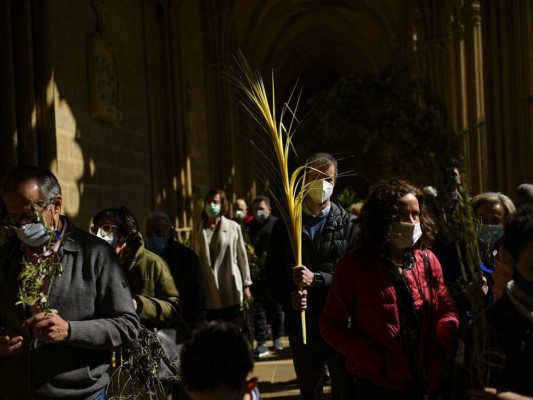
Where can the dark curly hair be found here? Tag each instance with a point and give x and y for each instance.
(380, 208)
(518, 231)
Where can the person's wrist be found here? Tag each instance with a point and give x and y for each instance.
(139, 305)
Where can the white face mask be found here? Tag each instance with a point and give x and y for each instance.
(109, 237)
(404, 234)
(239, 214)
(320, 191)
(261, 215)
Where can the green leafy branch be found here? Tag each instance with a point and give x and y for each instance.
(461, 222)
(137, 375)
(32, 278)
(45, 269)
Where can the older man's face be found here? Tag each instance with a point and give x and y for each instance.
(157, 227)
(240, 205)
(23, 199)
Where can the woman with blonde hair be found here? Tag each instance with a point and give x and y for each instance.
(491, 210)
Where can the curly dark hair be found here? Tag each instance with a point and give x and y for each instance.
(380, 208)
(518, 231)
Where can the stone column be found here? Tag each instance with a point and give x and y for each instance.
(44, 85)
(508, 57)
(166, 91)
(23, 67)
(8, 125)
(448, 50)
(473, 103)
(221, 100)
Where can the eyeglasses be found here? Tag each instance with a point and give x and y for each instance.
(15, 221)
(106, 229)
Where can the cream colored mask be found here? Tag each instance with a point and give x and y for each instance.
(404, 234)
(320, 191)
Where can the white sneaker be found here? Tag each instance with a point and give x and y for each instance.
(261, 350)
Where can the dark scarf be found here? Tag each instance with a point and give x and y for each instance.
(409, 317)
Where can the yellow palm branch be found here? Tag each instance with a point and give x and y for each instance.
(293, 188)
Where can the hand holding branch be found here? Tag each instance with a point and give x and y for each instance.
(48, 327)
(302, 276)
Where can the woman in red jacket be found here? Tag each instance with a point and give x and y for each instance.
(388, 310)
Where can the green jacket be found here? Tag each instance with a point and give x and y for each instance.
(151, 282)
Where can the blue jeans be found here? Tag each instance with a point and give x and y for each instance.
(101, 395)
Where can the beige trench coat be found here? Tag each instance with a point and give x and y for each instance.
(226, 276)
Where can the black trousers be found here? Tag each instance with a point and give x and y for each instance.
(309, 361)
(266, 311)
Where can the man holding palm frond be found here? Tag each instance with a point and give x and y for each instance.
(328, 232)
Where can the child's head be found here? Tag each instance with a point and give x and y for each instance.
(217, 363)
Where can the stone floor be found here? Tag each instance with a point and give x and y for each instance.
(277, 379)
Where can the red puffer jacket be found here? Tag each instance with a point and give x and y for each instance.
(363, 290)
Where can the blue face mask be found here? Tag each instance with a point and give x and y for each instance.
(490, 234)
(523, 283)
(34, 235)
(156, 244)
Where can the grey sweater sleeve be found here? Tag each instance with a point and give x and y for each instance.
(94, 297)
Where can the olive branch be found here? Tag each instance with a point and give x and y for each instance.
(46, 268)
(461, 222)
(137, 377)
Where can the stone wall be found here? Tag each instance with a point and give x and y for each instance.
(100, 164)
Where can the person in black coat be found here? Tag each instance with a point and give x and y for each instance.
(259, 231)
(510, 320)
(328, 233)
(183, 263)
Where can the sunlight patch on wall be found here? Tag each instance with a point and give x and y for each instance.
(92, 168)
(182, 177)
(70, 160)
(189, 181)
(50, 92)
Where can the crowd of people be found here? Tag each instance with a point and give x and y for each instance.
(386, 303)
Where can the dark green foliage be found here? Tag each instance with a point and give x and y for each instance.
(394, 124)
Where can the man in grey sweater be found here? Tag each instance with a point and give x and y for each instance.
(59, 325)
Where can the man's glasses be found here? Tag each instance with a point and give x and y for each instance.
(106, 229)
(16, 221)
